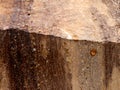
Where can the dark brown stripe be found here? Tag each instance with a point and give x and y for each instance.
(112, 58)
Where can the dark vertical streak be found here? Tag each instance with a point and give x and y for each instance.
(108, 61)
(112, 58)
(20, 60)
(15, 62)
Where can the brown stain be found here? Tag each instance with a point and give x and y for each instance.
(28, 69)
(112, 58)
(93, 52)
(20, 60)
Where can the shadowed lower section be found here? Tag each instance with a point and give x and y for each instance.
(39, 62)
(34, 61)
(112, 59)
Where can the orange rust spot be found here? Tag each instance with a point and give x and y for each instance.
(93, 52)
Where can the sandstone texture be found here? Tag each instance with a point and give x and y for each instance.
(59, 44)
(30, 61)
(95, 20)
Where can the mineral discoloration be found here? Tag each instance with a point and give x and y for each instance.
(34, 61)
(29, 67)
(112, 60)
(93, 52)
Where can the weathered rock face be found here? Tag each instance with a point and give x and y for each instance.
(30, 61)
(80, 54)
(34, 62)
(96, 20)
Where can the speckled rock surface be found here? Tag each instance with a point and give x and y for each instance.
(59, 44)
(30, 61)
(95, 20)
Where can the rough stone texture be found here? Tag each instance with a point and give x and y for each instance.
(30, 61)
(112, 65)
(95, 20)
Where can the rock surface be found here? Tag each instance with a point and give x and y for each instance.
(30, 61)
(59, 44)
(95, 20)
